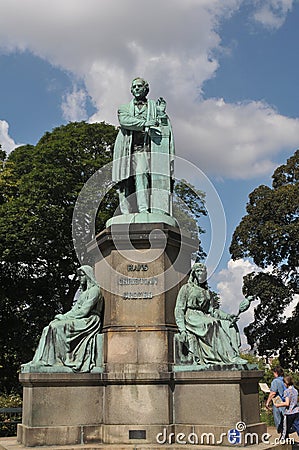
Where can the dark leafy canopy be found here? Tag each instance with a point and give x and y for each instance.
(188, 208)
(2, 154)
(269, 235)
(39, 186)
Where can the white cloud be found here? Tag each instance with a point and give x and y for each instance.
(108, 43)
(172, 44)
(7, 143)
(234, 140)
(272, 13)
(74, 105)
(288, 312)
(229, 287)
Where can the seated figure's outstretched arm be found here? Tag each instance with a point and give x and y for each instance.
(219, 314)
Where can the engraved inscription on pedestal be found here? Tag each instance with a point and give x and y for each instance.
(138, 287)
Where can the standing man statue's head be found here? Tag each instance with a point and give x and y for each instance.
(139, 88)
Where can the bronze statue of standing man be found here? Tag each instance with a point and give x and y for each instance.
(143, 154)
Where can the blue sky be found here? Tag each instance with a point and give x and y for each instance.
(229, 70)
(262, 65)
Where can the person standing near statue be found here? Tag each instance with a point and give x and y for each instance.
(277, 389)
(290, 422)
(143, 154)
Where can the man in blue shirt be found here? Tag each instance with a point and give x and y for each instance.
(277, 388)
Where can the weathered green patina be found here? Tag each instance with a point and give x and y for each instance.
(71, 341)
(144, 154)
(208, 336)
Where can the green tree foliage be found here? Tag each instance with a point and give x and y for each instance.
(8, 420)
(188, 208)
(269, 235)
(2, 154)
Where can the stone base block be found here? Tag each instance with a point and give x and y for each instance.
(62, 399)
(148, 404)
(195, 407)
(221, 398)
(212, 435)
(36, 436)
(182, 434)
